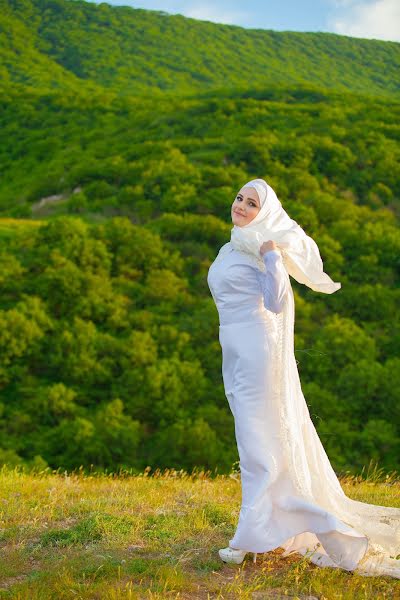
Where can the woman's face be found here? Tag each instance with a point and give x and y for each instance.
(245, 206)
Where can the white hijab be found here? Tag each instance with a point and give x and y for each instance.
(299, 251)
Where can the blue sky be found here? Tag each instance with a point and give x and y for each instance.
(379, 19)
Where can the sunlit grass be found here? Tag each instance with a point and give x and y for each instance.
(7, 222)
(96, 535)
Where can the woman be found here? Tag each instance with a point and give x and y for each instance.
(291, 496)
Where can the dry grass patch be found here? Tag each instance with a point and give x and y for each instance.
(139, 536)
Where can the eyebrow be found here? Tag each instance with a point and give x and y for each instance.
(249, 198)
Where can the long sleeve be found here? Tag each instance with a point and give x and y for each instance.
(274, 283)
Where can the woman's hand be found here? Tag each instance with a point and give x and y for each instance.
(270, 245)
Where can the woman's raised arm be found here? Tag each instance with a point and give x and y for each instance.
(274, 282)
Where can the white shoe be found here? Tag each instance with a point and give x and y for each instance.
(234, 556)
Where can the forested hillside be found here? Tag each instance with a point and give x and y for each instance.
(118, 170)
(135, 50)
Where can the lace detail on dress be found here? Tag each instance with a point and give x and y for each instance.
(255, 260)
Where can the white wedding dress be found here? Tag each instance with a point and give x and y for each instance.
(291, 496)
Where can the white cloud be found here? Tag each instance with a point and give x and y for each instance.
(379, 19)
(219, 11)
(210, 12)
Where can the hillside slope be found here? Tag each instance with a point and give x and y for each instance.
(128, 154)
(134, 50)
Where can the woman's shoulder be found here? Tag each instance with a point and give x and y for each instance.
(225, 249)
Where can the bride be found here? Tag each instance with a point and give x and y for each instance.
(291, 497)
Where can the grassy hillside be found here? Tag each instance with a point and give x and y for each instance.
(60, 42)
(155, 535)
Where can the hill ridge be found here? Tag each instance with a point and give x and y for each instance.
(127, 48)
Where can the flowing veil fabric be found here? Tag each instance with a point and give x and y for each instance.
(350, 534)
(369, 541)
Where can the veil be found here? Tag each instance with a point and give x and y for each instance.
(359, 536)
(299, 251)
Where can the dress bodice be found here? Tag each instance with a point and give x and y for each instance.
(243, 292)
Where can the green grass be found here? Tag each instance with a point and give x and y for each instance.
(77, 535)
